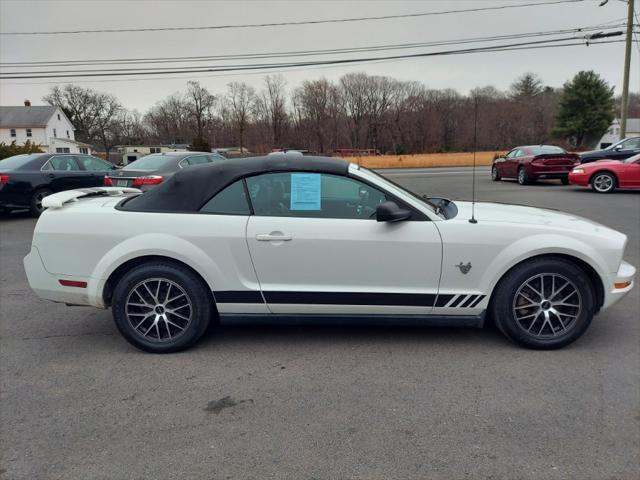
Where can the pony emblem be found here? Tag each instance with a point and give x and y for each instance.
(464, 268)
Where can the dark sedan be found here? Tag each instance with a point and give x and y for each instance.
(26, 179)
(618, 151)
(532, 162)
(151, 170)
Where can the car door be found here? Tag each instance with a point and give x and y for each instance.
(511, 163)
(95, 169)
(631, 174)
(63, 172)
(318, 249)
(626, 149)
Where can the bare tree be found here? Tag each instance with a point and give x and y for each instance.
(200, 103)
(240, 98)
(273, 105)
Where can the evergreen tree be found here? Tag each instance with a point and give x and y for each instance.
(586, 109)
(527, 86)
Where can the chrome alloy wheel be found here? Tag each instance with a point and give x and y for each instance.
(603, 182)
(547, 305)
(38, 200)
(158, 309)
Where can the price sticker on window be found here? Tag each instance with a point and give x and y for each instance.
(305, 191)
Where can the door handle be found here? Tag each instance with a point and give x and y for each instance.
(273, 237)
(51, 175)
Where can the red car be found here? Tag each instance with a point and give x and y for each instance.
(605, 176)
(530, 163)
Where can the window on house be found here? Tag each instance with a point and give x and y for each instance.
(13, 132)
(55, 134)
(68, 134)
(58, 116)
(84, 150)
(28, 132)
(63, 150)
(154, 150)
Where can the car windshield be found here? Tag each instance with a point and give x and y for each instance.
(546, 150)
(150, 162)
(632, 159)
(388, 182)
(17, 161)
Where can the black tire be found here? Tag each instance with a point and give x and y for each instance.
(173, 280)
(564, 180)
(543, 332)
(604, 182)
(35, 204)
(523, 177)
(495, 176)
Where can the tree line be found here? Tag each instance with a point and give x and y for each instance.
(358, 111)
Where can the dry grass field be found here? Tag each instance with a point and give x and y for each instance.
(460, 159)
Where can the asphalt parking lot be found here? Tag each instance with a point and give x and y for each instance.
(77, 401)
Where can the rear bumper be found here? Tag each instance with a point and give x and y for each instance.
(47, 286)
(625, 273)
(12, 200)
(552, 171)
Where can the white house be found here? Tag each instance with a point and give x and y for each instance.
(46, 126)
(613, 134)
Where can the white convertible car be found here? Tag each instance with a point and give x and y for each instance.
(283, 238)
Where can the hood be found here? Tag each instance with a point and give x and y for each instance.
(522, 214)
(599, 163)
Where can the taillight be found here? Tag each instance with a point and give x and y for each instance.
(3, 179)
(108, 182)
(149, 180)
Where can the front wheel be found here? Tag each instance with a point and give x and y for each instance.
(603, 182)
(162, 307)
(544, 303)
(495, 176)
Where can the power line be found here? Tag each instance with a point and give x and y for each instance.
(232, 68)
(298, 53)
(302, 22)
(294, 68)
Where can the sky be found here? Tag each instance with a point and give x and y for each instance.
(461, 72)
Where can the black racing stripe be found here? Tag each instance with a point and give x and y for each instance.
(238, 296)
(469, 301)
(349, 298)
(477, 301)
(457, 301)
(443, 300)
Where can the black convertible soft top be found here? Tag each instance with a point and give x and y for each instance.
(189, 189)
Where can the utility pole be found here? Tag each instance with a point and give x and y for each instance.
(627, 64)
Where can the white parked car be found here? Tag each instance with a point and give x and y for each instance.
(312, 238)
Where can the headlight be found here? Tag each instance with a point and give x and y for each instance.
(578, 170)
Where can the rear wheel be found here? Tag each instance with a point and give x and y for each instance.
(523, 177)
(495, 176)
(162, 307)
(35, 205)
(604, 182)
(544, 303)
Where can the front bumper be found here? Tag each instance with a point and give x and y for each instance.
(625, 274)
(581, 179)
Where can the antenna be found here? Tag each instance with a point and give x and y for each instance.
(475, 147)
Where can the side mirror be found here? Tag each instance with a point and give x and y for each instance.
(391, 212)
(618, 148)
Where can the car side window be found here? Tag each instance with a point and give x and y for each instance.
(62, 163)
(315, 195)
(230, 201)
(93, 164)
(214, 158)
(632, 143)
(511, 154)
(194, 160)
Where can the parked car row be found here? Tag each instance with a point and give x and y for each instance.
(617, 166)
(26, 179)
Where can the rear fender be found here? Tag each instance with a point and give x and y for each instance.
(156, 244)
